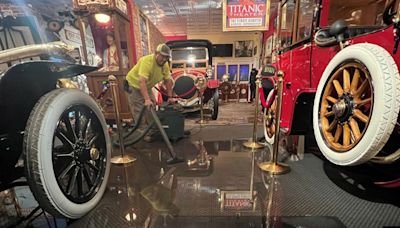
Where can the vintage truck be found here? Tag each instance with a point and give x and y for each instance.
(191, 65)
(341, 77)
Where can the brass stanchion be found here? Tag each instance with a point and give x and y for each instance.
(202, 120)
(122, 159)
(201, 85)
(274, 166)
(253, 144)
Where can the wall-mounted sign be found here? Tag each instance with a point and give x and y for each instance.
(246, 15)
(121, 5)
(93, 2)
(268, 70)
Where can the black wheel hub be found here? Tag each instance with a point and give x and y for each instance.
(343, 109)
(81, 152)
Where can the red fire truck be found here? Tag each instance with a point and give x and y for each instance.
(341, 77)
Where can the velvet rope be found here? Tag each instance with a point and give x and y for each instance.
(264, 102)
(179, 96)
(262, 98)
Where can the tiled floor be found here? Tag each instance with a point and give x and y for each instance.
(212, 187)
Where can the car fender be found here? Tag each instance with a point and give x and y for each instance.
(212, 84)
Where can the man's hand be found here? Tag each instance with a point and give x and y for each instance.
(148, 103)
(168, 85)
(171, 101)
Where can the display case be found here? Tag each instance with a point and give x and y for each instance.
(105, 34)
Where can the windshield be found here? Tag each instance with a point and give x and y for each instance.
(357, 13)
(189, 54)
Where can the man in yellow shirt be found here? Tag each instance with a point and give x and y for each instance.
(148, 71)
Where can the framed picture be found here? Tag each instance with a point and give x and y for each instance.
(244, 48)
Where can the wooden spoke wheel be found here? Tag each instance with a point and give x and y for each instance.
(270, 120)
(356, 105)
(346, 106)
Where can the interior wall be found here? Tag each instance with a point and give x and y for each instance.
(231, 38)
(154, 35)
(155, 38)
(171, 38)
(136, 27)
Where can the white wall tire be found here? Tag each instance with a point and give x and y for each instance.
(41, 153)
(384, 105)
(269, 120)
(214, 101)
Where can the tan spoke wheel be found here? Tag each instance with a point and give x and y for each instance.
(346, 106)
(270, 120)
(356, 104)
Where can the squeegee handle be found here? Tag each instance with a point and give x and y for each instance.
(162, 131)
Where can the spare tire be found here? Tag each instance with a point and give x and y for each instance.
(184, 87)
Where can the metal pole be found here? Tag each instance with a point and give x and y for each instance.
(162, 131)
(173, 158)
(253, 144)
(277, 119)
(252, 176)
(273, 166)
(123, 159)
(201, 121)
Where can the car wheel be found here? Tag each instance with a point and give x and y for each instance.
(67, 153)
(215, 105)
(356, 104)
(269, 120)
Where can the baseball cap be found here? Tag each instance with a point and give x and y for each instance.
(164, 50)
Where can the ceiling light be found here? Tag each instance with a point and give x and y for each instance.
(102, 18)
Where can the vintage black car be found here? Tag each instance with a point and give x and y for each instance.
(191, 65)
(54, 137)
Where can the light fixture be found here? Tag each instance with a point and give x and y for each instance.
(131, 217)
(102, 18)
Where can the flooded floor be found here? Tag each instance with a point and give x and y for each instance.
(220, 184)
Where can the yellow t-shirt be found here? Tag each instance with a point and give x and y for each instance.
(148, 68)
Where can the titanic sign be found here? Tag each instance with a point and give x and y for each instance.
(246, 15)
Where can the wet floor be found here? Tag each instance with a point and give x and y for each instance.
(219, 184)
(150, 192)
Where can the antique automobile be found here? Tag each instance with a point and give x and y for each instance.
(191, 66)
(51, 135)
(341, 79)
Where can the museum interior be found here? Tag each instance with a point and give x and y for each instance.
(199, 113)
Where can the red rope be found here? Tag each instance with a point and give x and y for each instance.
(264, 102)
(389, 184)
(179, 96)
(103, 92)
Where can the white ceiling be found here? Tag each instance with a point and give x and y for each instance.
(182, 17)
